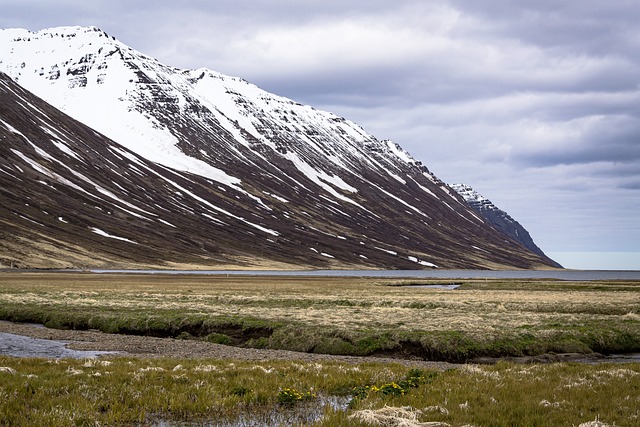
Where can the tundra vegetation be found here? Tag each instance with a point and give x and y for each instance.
(338, 315)
(127, 391)
(358, 316)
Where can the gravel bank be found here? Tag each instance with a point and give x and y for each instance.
(146, 347)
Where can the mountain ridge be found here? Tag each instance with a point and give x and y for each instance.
(498, 218)
(315, 188)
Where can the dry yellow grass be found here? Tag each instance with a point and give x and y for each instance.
(341, 302)
(480, 309)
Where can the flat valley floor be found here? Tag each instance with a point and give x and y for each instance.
(322, 351)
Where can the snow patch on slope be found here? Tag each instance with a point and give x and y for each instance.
(111, 236)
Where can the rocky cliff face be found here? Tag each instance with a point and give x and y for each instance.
(498, 218)
(161, 165)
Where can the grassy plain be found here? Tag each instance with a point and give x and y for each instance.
(337, 315)
(122, 391)
(334, 315)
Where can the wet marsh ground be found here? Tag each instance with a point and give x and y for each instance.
(357, 316)
(180, 392)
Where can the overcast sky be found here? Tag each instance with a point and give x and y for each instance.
(535, 104)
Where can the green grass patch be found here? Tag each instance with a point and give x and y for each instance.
(128, 392)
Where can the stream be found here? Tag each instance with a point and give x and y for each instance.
(22, 346)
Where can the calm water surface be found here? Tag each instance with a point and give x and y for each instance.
(422, 274)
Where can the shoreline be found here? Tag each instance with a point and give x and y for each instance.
(423, 274)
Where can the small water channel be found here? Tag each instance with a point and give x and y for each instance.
(450, 287)
(21, 346)
(618, 358)
(300, 414)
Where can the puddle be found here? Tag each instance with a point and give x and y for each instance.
(22, 346)
(299, 414)
(448, 287)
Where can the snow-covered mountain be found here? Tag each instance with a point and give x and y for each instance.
(196, 167)
(498, 218)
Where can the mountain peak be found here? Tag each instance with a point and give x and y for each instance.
(55, 33)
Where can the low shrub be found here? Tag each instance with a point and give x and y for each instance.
(216, 338)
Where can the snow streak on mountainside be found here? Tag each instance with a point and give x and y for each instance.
(231, 173)
(498, 218)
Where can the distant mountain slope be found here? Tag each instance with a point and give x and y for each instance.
(207, 169)
(498, 218)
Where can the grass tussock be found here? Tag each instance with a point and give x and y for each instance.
(389, 416)
(123, 391)
(351, 316)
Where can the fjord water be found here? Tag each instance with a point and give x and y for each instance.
(420, 274)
